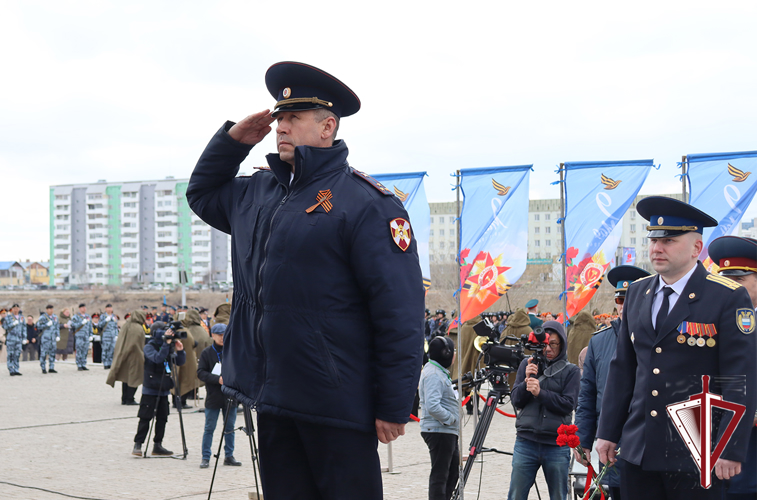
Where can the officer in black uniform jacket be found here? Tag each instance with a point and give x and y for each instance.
(677, 327)
(326, 329)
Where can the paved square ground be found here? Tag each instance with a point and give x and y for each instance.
(68, 433)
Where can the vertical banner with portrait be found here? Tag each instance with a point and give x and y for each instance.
(494, 234)
(722, 186)
(597, 195)
(411, 192)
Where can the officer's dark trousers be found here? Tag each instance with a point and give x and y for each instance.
(639, 484)
(304, 460)
(127, 393)
(146, 411)
(445, 464)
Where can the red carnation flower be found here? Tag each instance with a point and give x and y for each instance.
(573, 441)
(571, 429)
(562, 440)
(561, 429)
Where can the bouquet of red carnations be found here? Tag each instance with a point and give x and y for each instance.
(566, 435)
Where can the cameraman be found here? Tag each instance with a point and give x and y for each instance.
(546, 394)
(156, 386)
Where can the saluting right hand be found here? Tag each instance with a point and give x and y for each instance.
(252, 129)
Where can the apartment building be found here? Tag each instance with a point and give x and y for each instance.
(136, 232)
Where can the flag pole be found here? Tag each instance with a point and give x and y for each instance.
(564, 247)
(684, 164)
(461, 488)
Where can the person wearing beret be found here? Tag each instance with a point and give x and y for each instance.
(681, 329)
(596, 364)
(737, 259)
(81, 326)
(533, 313)
(326, 326)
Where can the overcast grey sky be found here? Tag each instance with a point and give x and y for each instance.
(134, 90)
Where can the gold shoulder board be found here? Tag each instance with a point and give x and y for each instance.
(723, 281)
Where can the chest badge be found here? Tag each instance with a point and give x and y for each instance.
(401, 233)
(745, 320)
(324, 200)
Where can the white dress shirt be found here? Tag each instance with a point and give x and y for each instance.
(677, 287)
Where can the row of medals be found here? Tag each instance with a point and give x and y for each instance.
(692, 341)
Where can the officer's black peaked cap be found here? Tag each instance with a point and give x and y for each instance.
(670, 217)
(622, 276)
(734, 255)
(299, 86)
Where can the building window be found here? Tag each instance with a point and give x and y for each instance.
(645, 254)
(536, 216)
(451, 220)
(537, 243)
(441, 232)
(431, 233)
(547, 243)
(633, 241)
(537, 255)
(432, 220)
(633, 228)
(441, 244)
(549, 255)
(546, 216)
(431, 245)
(536, 230)
(548, 230)
(632, 214)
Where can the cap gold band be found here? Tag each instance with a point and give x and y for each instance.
(672, 228)
(301, 100)
(743, 268)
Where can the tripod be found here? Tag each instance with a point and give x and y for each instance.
(177, 402)
(249, 429)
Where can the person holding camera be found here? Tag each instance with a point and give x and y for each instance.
(440, 416)
(157, 385)
(209, 371)
(545, 394)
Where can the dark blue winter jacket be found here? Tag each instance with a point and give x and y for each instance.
(326, 323)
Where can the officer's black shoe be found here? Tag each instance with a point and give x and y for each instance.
(84, 368)
(231, 461)
(130, 403)
(80, 369)
(44, 371)
(204, 464)
(106, 367)
(52, 371)
(158, 450)
(13, 374)
(137, 449)
(19, 373)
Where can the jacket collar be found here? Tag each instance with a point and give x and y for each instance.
(309, 162)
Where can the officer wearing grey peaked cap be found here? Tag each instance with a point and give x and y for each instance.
(325, 257)
(690, 332)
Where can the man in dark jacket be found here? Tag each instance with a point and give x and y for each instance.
(31, 349)
(326, 326)
(209, 371)
(546, 396)
(596, 365)
(157, 386)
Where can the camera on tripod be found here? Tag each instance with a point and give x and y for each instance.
(177, 331)
(496, 354)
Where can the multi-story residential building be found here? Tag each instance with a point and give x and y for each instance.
(544, 232)
(124, 233)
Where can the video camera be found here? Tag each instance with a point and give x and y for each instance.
(177, 331)
(496, 354)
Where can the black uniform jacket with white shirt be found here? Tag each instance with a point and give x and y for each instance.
(650, 371)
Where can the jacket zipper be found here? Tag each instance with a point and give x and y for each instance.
(260, 291)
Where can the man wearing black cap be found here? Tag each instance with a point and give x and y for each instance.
(15, 337)
(600, 351)
(686, 324)
(737, 259)
(328, 291)
(81, 325)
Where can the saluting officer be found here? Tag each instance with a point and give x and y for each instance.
(328, 290)
(50, 327)
(737, 259)
(600, 351)
(81, 325)
(678, 326)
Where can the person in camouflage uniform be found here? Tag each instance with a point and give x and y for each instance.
(15, 337)
(109, 332)
(49, 328)
(81, 325)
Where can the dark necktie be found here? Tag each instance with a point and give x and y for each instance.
(662, 314)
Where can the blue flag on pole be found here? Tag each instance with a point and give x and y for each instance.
(494, 236)
(409, 189)
(597, 195)
(722, 186)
